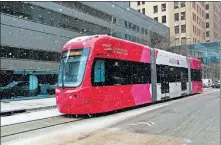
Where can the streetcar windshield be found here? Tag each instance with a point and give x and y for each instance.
(72, 67)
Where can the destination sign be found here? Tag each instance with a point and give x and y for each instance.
(72, 53)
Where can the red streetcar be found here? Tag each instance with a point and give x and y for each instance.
(101, 73)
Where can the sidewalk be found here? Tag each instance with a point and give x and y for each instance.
(26, 105)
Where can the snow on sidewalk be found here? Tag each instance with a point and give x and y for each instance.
(27, 104)
(24, 117)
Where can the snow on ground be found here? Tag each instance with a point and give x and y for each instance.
(74, 132)
(27, 104)
(87, 125)
(24, 117)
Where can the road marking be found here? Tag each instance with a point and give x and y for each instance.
(146, 123)
(152, 122)
(132, 124)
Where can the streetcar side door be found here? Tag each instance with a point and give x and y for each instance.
(162, 82)
(184, 80)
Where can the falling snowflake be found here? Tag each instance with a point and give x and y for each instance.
(128, 9)
(113, 6)
(60, 9)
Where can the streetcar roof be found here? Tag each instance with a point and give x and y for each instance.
(89, 41)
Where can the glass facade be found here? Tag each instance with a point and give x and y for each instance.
(208, 53)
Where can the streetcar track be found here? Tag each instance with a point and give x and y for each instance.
(15, 132)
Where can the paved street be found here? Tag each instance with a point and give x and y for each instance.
(193, 120)
(196, 119)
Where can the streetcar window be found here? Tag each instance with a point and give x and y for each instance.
(162, 73)
(174, 74)
(196, 75)
(72, 67)
(108, 72)
(184, 74)
(99, 73)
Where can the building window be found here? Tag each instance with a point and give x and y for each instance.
(86, 9)
(177, 41)
(182, 4)
(207, 6)
(183, 40)
(129, 25)
(207, 15)
(207, 33)
(156, 18)
(125, 24)
(143, 11)
(176, 29)
(163, 7)
(164, 19)
(176, 16)
(194, 17)
(138, 29)
(183, 15)
(207, 24)
(194, 5)
(134, 27)
(142, 30)
(183, 28)
(114, 20)
(145, 31)
(60, 20)
(138, 10)
(143, 2)
(138, 3)
(21, 53)
(176, 5)
(155, 9)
